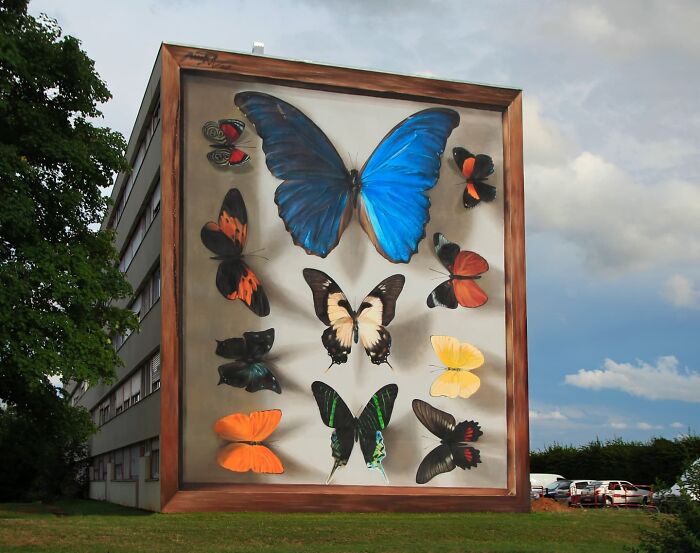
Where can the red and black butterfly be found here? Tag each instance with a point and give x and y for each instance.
(224, 134)
(465, 269)
(476, 169)
(227, 238)
(453, 450)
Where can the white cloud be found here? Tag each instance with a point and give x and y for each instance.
(677, 425)
(681, 292)
(648, 426)
(554, 415)
(619, 225)
(618, 425)
(661, 381)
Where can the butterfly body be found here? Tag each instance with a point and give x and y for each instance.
(247, 434)
(348, 430)
(248, 369)
(465, 268)
(318, 193)
(475, 169)
(347, 326)
(224, 134)
(453, 450)
(227, 238)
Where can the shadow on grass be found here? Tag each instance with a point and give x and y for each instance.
(69, 507)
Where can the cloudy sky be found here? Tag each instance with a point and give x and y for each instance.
(612, 137)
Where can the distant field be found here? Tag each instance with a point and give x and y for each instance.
(92, 526)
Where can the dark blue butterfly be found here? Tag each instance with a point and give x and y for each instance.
(318, 194)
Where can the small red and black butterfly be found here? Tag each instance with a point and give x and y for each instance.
(476, 169)
(465, 269)
(224, 134)
(227, 238)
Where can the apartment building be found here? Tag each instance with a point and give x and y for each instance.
(125, 451)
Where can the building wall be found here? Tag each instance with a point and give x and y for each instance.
(140, 493)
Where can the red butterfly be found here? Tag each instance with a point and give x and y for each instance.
(227, 238)
(465, 269)
(225, 134)
(475, 168)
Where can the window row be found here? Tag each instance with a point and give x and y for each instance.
(125, 462)
(142, 382)
(147, 296)
(138, 160)
(139, 232)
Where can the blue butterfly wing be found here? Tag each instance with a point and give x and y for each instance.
(313, 199)
(395, 179)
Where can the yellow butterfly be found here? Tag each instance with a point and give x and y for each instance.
(459, 359)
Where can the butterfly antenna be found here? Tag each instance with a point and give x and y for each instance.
(256, 255)
(387, 362)
(439, 272)
(329, 367)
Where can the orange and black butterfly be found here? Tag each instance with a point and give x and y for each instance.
(465, 269)
(224, 134)
(227, 238)
(247, 432)
(476, 169)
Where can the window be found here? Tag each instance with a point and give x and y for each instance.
(138, 160)
(154, 371)
(154, 447)
(104, 414)
(134, 456)
(135, 387)
(119, 464)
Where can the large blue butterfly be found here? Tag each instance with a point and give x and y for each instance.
(318, 194)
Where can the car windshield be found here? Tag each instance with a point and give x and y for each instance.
(594, 485)
(564, 485)
(553, 486)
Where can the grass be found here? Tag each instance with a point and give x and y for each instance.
(93, 526)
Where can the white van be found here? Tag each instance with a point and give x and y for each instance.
(539, 481)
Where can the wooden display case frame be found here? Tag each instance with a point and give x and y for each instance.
(178, 497)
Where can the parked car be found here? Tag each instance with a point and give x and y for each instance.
(613, 492)
(551, 490)
(571, 493)
(538, 482)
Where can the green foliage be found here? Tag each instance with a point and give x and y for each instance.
(42, 449)
(680, 533)
(658, 460)
(58, 273)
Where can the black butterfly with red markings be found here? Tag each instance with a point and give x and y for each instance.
(453, 450)
(227, 238)
(346, 325)
(224, 134)
(476, 169)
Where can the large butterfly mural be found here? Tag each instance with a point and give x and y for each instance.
(346, 325)
(476, 169)
(465, 269)
(247, 432)
(224, 134)
(319, 194)
(365, 429)
(453, 450)
(227, 239)
(459, 360)
(248, 369)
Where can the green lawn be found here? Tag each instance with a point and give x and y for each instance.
(92, 526)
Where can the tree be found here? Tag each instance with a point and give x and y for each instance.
(679, 533)
(58, 273)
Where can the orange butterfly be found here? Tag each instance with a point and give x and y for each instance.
(247, 433)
